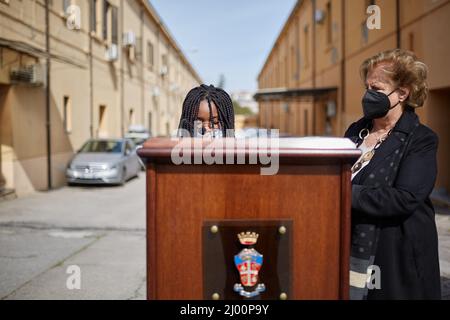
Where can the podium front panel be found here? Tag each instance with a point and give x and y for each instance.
(314, 197)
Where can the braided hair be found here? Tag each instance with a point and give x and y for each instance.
(209, 93)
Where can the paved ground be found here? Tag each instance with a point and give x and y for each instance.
(443, 224)
(101, 230)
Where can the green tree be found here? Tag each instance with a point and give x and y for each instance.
(238, 109)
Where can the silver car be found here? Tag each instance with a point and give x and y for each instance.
(104, 161)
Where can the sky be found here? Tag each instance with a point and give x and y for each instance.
(229, 37)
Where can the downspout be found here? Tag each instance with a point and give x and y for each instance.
(91, 88)
(313, 34)
(142, 69)
(47, 96)
(122, 78)
(343, 75)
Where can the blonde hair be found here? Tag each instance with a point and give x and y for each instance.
(404, 70)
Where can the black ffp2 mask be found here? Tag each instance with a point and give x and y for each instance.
(376, 104)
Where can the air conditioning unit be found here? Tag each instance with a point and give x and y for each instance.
(319, 16)
(155, 91)
(129, 39)
(112, 53)
(32, 75)
(164, 70)
(173, 87)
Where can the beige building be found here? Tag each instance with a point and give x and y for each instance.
(112, 64)
(310, 83)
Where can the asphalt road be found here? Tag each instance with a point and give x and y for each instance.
(101, 230)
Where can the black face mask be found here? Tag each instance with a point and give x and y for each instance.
(376, 104)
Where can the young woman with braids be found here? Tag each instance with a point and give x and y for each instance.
(207, 110)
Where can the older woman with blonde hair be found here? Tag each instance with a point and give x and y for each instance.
(394, 247)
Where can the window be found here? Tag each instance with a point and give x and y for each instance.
(329, 23)
(411, 41)
(368, 4)
(150, 54)
(128, 148)
(114, 26)
(93, 20)
(306, 45)
(102, 120)
(293, 60)
(67, 114)
(287, 117)
(167, 129)
(106, 8)
(103, 146)
(364, 29)
(131, 117)
(150, 126)
(165, 65)
(364, 32)
(286, 70)
(305, 122)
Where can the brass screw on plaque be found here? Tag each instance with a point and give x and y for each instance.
(283, 296)
(214, 229)
(282, 230)
(216, 296)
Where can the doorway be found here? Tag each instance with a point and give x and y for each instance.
(438, 119)
(3, 126)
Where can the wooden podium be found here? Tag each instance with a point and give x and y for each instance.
(302, 216)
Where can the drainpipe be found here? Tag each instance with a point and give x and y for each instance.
(122, 67)
(313, 34)
(142, 68)
(47, 96)
(91, 87)
(341, 114)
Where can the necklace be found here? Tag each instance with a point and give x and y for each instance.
(367, 156)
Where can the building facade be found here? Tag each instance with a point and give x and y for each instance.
(112, 64)
(310, 82)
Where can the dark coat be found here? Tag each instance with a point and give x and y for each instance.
(392, 192)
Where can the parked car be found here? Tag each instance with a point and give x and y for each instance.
(138, 133)
(104, 161)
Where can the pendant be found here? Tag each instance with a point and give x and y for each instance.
(368, 155)
(365, 157)
(356, 167)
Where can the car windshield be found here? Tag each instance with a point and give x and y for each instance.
(110, 146)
